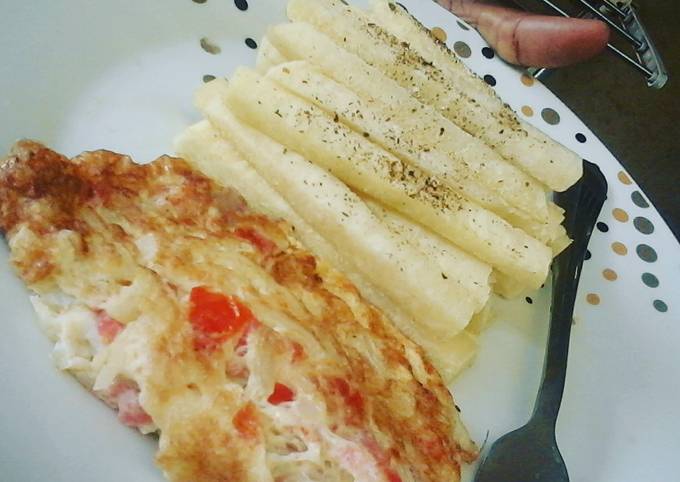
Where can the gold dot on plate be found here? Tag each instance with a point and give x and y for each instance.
(593, 299)
(209, 46)
(527, 80)
(527, 111)
(439, 34)
(620, 215)
(623, 177)
(610, 275)
(619, 248)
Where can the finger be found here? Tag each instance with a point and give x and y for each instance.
(533, 40)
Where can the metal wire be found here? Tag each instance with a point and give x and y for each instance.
(611, 23)
(637, 44)
(614, 7)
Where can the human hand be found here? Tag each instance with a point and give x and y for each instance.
(533, 40)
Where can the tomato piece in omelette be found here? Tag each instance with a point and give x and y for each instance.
(205, 322)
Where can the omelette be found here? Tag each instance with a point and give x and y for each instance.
(198, 319)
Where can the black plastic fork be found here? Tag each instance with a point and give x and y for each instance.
(530, 453)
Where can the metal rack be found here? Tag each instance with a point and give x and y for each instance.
(622, 17)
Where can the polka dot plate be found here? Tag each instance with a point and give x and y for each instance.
(120, 75)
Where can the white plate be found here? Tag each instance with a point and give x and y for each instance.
(85, 74)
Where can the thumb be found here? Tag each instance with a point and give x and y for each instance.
(533, 40)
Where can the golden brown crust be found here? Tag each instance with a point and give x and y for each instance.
(374, 384)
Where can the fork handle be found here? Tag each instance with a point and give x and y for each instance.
(566, 273)
(565, 281)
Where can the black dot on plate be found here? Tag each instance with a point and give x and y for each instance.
(588, 255)
(241, 5)
(251, 43)
(646, 253)
(529, 300)
(643, 225)
(638, 200)
(581, 138)
(490, 79)
(602, 227)
(208, 78)
(462, 49)
(488, 52)
(462, 25)
(550, 116)
(199, 1)
(660, 306)
(650, 280)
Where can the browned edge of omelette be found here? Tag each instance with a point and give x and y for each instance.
(75, 225)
